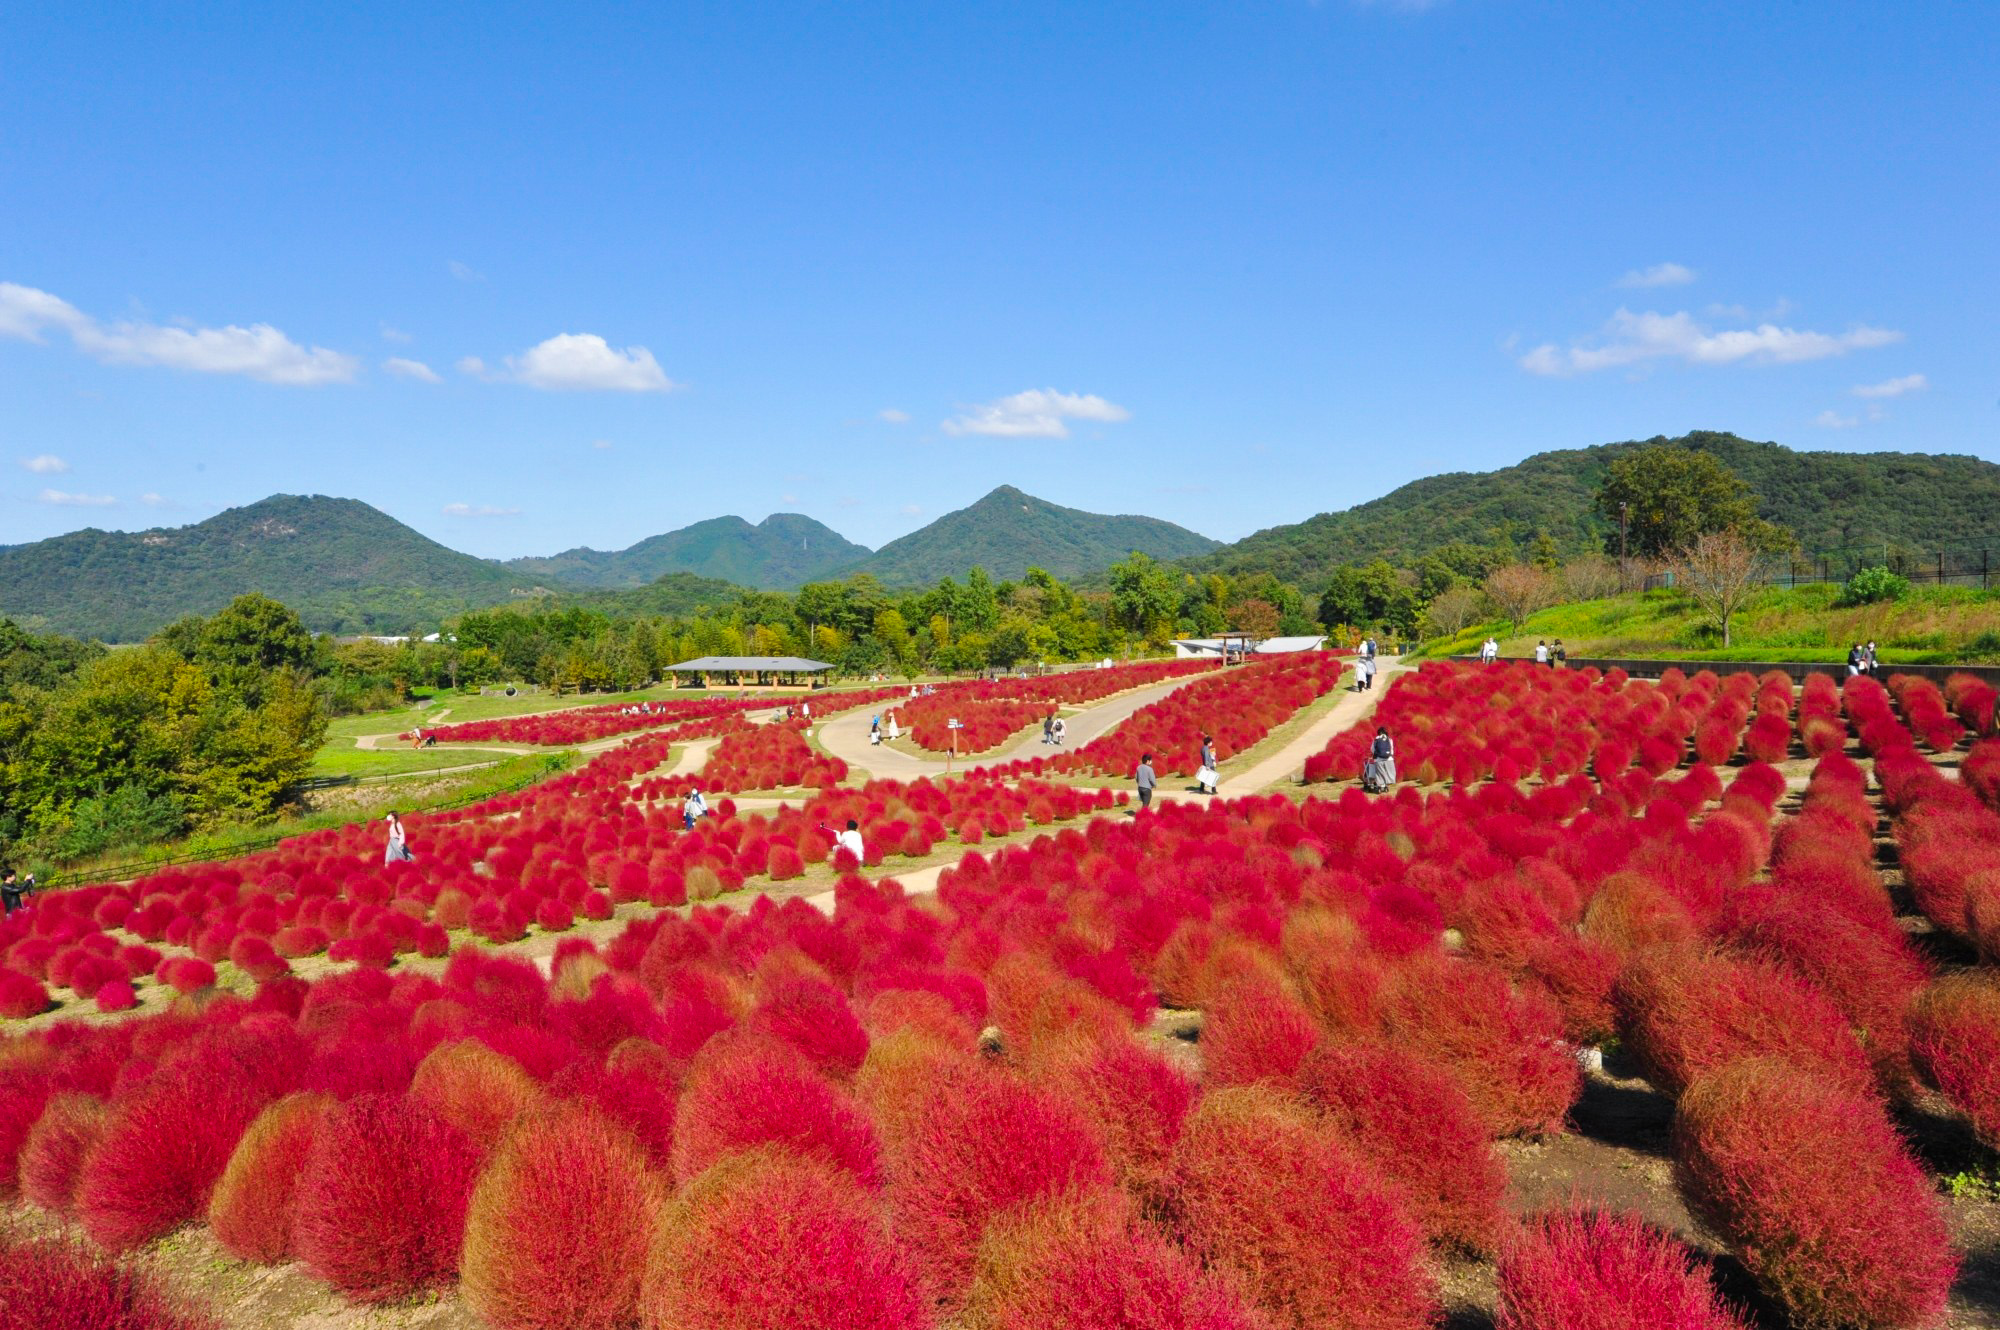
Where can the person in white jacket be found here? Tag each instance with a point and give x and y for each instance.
(850, 840)
(693, 807)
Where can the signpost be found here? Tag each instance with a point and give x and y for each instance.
(954, 726)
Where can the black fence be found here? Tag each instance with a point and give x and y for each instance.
(1967, 568)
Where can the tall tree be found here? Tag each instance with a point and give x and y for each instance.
(1520, 589)
(1720, 571)
(1669, 496)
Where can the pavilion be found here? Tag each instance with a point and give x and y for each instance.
(783, 671)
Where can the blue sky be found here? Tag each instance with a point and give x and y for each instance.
(528, 277)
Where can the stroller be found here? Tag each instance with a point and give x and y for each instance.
(1378, 774)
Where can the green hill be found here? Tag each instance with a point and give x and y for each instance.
(1911, 502)
(1007, 532)
(344, 566)
(784, 550)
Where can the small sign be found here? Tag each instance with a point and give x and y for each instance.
(953, 724)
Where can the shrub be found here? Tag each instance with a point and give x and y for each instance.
(1686, 1013)
(744, 1093)
(48, 1282)
(1255, 1031)
(1272, 1199)
(560, 1223)
(382, 1199)
(1587, 1270)
(21, 995)
(977, 1146)
(53, 1154)
(160, 1152)
(1081, 1262)
(117, 995)
(813, 1017)
(1812, 1186)
(770, 1241)
(1414, 1123)
(475, 1089)
(1137, 1101)
(1955, 1042)
(1503, 1048)
(1871, 585)
(253, 1207)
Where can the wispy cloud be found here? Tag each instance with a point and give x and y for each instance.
(893, 416)
(1660, 274)
(478, 510)
(47, 464)
(1038, 413)
(1633, 339)
(259, 351)
(152, 500)
(1831, 419)
(602, 445)
(411, 369)
(911, 510)
(64, 499)
(464, 272)
(578, 362)
(1909, 383)
(390, 334)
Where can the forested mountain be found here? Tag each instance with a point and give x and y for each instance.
(1829, 501)
(1008, 532)
(344, 566)
(784, 550)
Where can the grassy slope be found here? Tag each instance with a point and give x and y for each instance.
(1930, 625)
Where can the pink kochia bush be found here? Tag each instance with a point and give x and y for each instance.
(1588, 1270)
(1813, 1187)
(1266, 1195)
(50, 1283)
(769, 1241)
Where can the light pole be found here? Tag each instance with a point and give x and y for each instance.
(1624, 569)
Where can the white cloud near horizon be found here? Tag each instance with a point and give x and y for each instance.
(258, 352)
(1909, 383)
(45, 464)
(1633, 339)
(404, 368)
(578, 362)
(893, 416)
(1660, 274)
(478, 510)
(152, 500)
(64, 499)
(1038, 413)
(1831, 419)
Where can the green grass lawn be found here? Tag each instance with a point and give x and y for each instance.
(341, 758)
(1927, 626)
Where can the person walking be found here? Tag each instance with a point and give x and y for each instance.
(1206, 779)
(398, 848)
(10, 891)
(1059, 731)
(1145, 780)
(1558, 657)
(1380, 773)
(1488, 651)
(693, 807)
(875, 729)
(1868, 653)
(1542, 652)
(895, 728)
(1855, 660)
(1049, 728)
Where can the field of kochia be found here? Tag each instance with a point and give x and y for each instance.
(1265, 1062)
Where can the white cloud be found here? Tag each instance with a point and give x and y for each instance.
(602, 445)
(893, 416)
(47, 464)
(911, 510)
(258, 351)
(1831, 419)
(411, 369)
(1633, 339)
(390, 334)
(582, 362)
(152, 500)
(1909, 383)
(478, 510)
(472, 365)
(1660, 274)
(788, 498)
(1038, 413)
(464, 272)
(64, 499)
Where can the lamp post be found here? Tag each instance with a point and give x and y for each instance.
(1624, 569)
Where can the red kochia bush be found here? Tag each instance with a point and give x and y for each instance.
(1687, 1013)
(1587, 1270)
(1270, 1198)
(381, 1204)
(1082, 1262)
(21, 996)
(1255, 1031)
(766, 1241)
(745, 1093)
(53, 1154)
(1955, 1042)
(1504, 1048)
(253, 1207)
(560, 1224)
(975, 1147)
(1414, 1123)
(1812, 1186)
(50, 1283)
(813, 1017)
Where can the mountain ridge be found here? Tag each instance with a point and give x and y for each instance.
(783, 551)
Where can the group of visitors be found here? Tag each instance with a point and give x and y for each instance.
(14, 890)
(1364, 666)
(693, 808)
(876, 729)
(1861, 659)
(1489, 651)
(1555, 657)
(642, 709)
(1054, 729)
(803, 711)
